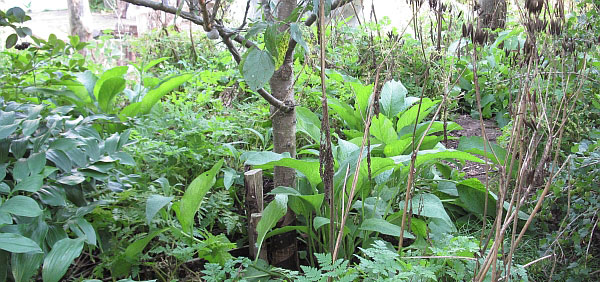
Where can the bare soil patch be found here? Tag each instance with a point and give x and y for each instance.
(472, 127)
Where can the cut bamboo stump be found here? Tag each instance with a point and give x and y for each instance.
(254, 207)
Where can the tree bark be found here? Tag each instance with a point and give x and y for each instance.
(492, 14)
(284, 249)
(80, 19)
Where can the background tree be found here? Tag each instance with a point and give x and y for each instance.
(80, 19)
(273, 65)
(492, 13)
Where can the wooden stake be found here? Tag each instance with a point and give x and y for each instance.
(254, 207)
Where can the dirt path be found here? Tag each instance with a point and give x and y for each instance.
(471, 127)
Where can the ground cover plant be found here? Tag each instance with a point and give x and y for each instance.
(140, 171)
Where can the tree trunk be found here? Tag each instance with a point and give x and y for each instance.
(80, 19)
(492, 14)
(284, 249)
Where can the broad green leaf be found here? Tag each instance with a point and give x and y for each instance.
(123, 139)
(30, 126)
(472, 194)
(190, 202)
(60, 159)
(255, 29)
(88, 230)
(229, 177)
(124, 158)
(383, 129)
(78, 157)
(7, 130)
(4, 188)
(3, 171)
(271, 39)
(308, 122)
(397, 147)
(274, 211)
(16, 243)
(166, 86)
(7, 118)
(30, 184)
(310, 168)
(20, 170)
(154, 204)
(430, 205)
(285, 229)
(133, 250)
(436, 126)
(18, 13)
(258, 68)
(21, 206)
(378, 166)
(55, 234)
(88, 81)
(314, 201)
(363, 93)
(53, 196)
(345, 149)
(154, 62)
(11, 40)
(111, 73)
(261, 158)
(447, 187)
(383, 227)
(296, 34)
(428, 155)
(64, 144)
(67, 94)
(60, 258)
(392, 98)
(131, 110)
(474, 145)
(320, 221)
(282, 190)
(18, 147)
(25, 265)
(346, 113)
(108, 91)
(72, 179)
(36, 162)
(409, 117)
(419, 227)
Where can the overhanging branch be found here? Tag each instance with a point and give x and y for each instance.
(309, 21)
(228, 34)
(225, 33)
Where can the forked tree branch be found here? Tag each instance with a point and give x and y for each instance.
(225, 33)
(228, 34)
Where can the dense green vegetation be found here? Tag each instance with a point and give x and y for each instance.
(136, 172)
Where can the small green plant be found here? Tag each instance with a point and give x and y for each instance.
(11, 18)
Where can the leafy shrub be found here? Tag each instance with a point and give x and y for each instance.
(570, 218)
(54, 166)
